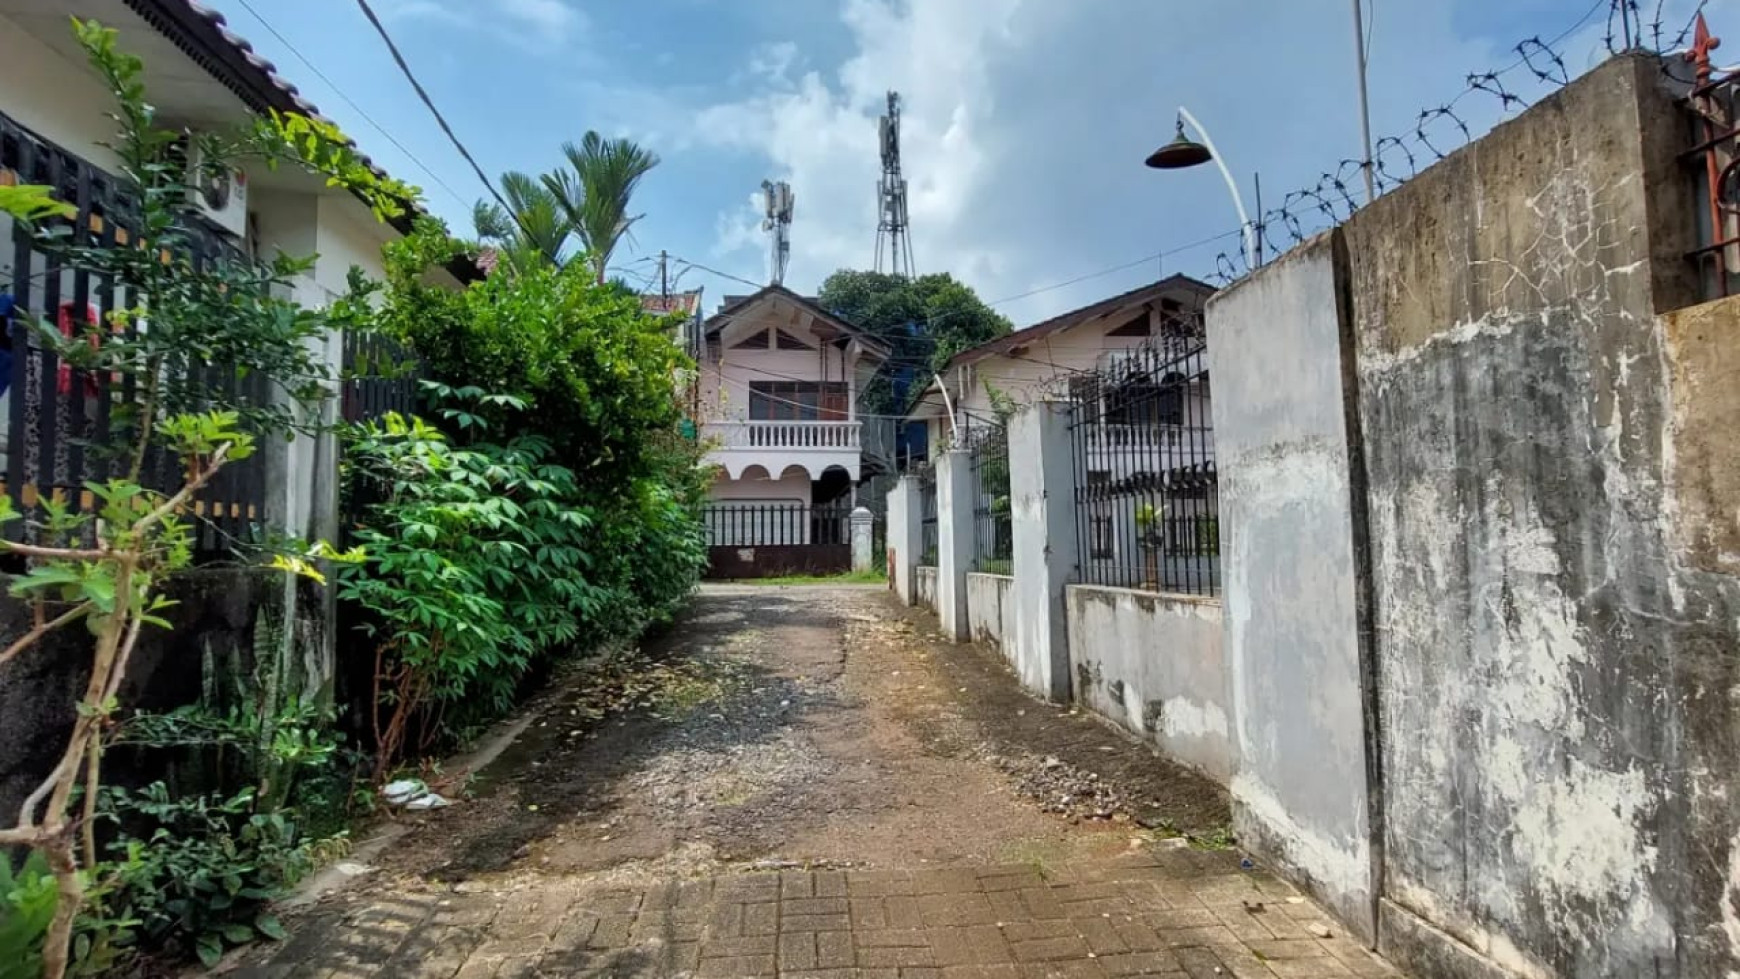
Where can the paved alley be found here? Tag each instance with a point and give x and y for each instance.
(807, 783)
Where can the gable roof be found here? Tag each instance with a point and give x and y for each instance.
(1076, 317)
(735, 304)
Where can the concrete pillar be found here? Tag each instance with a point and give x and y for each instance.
(905, 537)
(1043, 518)
(954, 540)
(863, 521)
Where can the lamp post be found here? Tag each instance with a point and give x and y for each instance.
(1184, 152)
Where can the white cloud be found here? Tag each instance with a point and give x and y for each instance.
(534, 24)
(1026, 122)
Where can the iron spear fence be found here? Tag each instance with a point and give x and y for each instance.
(994, 538)
(58, 424)
(1146, 490)
(925, 474)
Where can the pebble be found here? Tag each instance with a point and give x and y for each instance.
(1321, 931)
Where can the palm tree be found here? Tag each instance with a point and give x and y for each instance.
(594, 195)
(536, 228)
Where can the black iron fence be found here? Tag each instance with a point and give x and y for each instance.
(1147, 494)
(925, 475)
(993, 530)
(774, 524)
(380, 375)
(61, 423)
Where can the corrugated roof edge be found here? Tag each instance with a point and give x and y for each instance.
(1074, 317)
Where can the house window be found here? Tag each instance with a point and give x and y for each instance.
(805, 401)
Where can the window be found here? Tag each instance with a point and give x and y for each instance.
(805, 401)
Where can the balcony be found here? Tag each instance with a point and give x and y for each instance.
(776, 445)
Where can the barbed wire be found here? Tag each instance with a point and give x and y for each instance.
(1437, 131)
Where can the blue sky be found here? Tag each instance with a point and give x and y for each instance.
(1026, 120)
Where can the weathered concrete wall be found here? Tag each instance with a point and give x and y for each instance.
(1292, 629)
(991, 609)
(1153, 664)
(1552, 502)
(924, 580)
(229, 633)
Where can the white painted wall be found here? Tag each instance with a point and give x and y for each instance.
(1154, 664)
(924, 577)
(60, 100)
(991, 608)
(757, 487)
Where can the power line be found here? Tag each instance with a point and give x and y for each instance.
(439, 119)
(360, 111)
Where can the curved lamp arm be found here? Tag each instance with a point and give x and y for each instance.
(1231, 184)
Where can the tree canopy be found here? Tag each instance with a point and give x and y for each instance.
(925, 321)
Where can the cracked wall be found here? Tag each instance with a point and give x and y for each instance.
(1554, 608)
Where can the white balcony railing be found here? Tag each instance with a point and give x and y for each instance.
(828, 436)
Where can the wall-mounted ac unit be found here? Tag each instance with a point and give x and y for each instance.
(219, 193)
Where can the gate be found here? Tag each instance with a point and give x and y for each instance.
(768, 540)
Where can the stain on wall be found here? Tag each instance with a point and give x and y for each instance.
(1153, 664)
(991, 610)
(924, 578)
(1557, 629)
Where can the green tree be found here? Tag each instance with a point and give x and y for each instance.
(535, 230)
(595, 193)
(925, 321)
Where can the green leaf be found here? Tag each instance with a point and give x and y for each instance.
(270, 926)
(211, 950)
(238, 934)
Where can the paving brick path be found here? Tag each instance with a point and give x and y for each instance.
(1168, 913)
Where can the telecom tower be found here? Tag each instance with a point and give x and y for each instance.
(891, 195)
(777, 224)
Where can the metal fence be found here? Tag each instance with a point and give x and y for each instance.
(1147, 495)
(60, 423)
(775, 524)
(993, 531)
(925, 475)
(380, 375)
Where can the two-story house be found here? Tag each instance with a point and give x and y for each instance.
(777, 400)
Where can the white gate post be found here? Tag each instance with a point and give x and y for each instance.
(862, 523)
(1043, 522)
(954, 543)
(905, 537)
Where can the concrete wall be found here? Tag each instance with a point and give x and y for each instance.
(755, 486)
(229, 625)
(924, 583)
(991, 608)
(1154, 664)
(61, 100)
(1551, 489)
(1292, 619)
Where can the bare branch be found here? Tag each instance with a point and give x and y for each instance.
(192, 486)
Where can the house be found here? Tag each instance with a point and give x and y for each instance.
(1134, 372)
(777, 401)
(198, 75)
(55, 124)
(1017, 368)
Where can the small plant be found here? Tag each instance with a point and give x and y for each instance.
(202, 875)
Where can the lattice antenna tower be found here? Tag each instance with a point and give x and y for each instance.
(893, 239)
(779, 199)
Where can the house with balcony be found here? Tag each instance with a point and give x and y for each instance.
(777, 402)
(1134, 371)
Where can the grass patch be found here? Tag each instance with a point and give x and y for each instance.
(849, 578)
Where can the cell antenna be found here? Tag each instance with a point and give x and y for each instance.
(891, 226)
(777, 224)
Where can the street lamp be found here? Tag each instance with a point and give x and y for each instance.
(1184, 152)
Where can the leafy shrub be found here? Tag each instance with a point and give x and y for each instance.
(199, 871)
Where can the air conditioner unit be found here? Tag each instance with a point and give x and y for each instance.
(219, 194)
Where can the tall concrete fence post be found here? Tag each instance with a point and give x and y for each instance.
(954, 523)
(863, 521)
(1042, 515)
(904, 538)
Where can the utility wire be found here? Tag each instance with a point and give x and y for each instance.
(439, 119)
(360, 111)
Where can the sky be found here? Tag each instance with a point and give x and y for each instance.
(1025, 127)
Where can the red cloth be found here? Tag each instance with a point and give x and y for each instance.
(64, 320)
